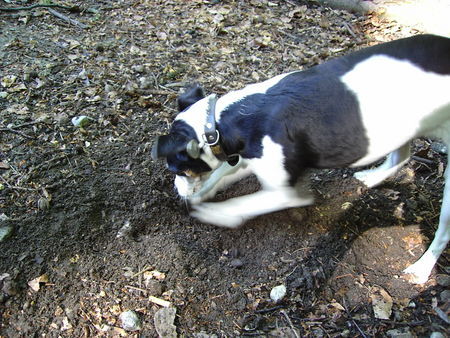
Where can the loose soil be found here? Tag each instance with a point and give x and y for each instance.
(98, 228)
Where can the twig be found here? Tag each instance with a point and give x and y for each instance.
(27, 8)
(350, 30)
(18, 133)
(159, 301)
(421, 159)
(14, 187)
(26, 124)
(353, 321)
(270, 309)
(290, 323)
(136, 288)
(67, 19)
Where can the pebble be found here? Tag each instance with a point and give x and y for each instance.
(403, 332)
(236, 263)
(80, 121)
(445, 295)
(437, 335)
(130, 321)
(5, 232)
(439, 147)
(278, 293)
(164, 319)
(154, 287)
(10, 288)
(443, 280)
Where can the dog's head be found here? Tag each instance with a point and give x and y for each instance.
(184, 149)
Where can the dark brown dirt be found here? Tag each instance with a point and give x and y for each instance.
(69, 193)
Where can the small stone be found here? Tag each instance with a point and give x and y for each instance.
(439, 147)
(10, 288)
(437, 335)
(445, 295)
(278, 293)
(236, 263)
(443, 280)
(138, 68)
(154, 287)
(5, 232)
(130, 321)
(403, 332)
(164, 319)
(81, 121)
(145, 82)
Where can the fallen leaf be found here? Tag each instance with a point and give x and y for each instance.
(381, 303)
(35, 284)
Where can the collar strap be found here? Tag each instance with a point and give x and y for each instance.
(211, 135)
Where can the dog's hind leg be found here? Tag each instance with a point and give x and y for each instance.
(389, 167)
(420, 270)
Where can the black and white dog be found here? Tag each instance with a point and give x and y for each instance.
(347, 112)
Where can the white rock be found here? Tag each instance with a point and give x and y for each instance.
(81, 121)
(278, 293)
(164, 319)
(437, 335)
(5, 232)
(400, 333)
(130, 321)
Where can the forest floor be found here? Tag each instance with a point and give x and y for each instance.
(94, 228)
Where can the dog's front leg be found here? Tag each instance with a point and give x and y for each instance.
(220, 179)
(235, 211)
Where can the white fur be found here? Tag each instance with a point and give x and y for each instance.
(410, 104)
(394, 108)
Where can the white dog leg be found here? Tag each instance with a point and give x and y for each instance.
(420, 270)
(220, 179)
(233, 212)
(393, 163)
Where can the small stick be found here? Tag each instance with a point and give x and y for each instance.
(290, 323)
(14, 187)
(349, 29)
(353, 321)
(67, 19)
(18, 133)
(136, 288)
(16, 9)
(270, 309)
(159, 301)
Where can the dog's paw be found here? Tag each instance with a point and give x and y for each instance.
(417, 273)
(214, 213)
(368, 177)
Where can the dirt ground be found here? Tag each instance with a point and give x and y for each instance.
(95, 227)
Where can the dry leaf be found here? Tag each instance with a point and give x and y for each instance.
(381, 303)
(35, 283)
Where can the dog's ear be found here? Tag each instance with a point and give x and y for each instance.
(191, 95)
(163, 146)
(166, 145)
